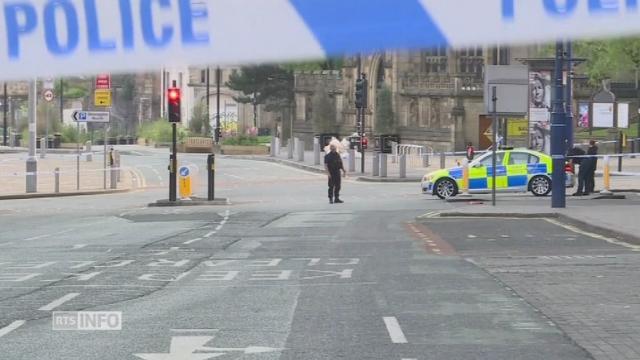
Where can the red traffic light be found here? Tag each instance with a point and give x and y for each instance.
(174, 94)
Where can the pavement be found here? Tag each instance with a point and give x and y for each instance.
(279, 273)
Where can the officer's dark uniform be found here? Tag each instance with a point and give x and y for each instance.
(334, 164)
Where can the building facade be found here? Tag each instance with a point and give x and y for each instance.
(437, 95)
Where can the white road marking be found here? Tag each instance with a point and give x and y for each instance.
(209, 234)
(192, 241)
(79, 246)
(394, 329)
(471, 236)
(54, 304)
(37, 237)
(6, 244)
(195, 330)
(219, 227)
(14, 325)
(595, 236)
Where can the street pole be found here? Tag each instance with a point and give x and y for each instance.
(218, 79)
(46, 132)
(5, 109)
(104, 179)
(494, 148)
(558, 134)
(32, 160)
(208, 95)
(173, 179)
(569, 102)
(78, 157)
(61, 100)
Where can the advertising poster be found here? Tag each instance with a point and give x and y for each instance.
(602, 115)
(540, 110)
(583, 115)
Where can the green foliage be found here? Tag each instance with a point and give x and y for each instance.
(260, 84)
(199, 124)
(384, 118)
(158, 131)
(609, 59)
(70, 134)
(244, 140)
(323, 112)
(72, 89)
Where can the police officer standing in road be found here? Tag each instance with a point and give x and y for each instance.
(333, 165)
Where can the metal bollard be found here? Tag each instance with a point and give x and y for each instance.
(375, 164)
(211, 177)
(606, 178)
(316, 151)
(277, 144)
(465, 177)
(43, 148)
(290, 149)
(56, 175)
(114, 178)
(352, 160)
(300, 150)
(443, 160)
(117, 159)
(403, 166)
(383, 165)
(272, 150)
(425, 160)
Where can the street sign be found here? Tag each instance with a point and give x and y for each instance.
(185, 182)
(103, 81)
(91, 116)
(184, 171)
(48, 84)
(103, 98)
(48, 95)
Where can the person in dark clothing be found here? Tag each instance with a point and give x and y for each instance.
(582, 172)
(593, 164)
(333, 165)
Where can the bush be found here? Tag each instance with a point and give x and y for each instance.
(241, 140)
(70, 134)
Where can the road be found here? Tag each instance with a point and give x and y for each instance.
(282, 274)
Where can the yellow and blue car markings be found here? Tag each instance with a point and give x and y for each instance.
(513, 176)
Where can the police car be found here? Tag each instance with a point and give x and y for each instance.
(517, 170)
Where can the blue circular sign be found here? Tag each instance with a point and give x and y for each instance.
(184, 171)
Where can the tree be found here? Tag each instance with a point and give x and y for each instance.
(199, 123)
(323, 112)
(263, 84)
(385, 118)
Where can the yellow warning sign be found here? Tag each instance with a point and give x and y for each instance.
(517, 127)
(185, 182)
(103, 97)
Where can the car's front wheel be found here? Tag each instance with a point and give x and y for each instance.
(540, 185)
(445, 188)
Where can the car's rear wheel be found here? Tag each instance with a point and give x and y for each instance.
(540, 185)
(445, 188)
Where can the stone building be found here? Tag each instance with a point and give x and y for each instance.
(437, 95)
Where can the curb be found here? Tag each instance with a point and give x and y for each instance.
(277, 161)
(387, 180)
(63, 194)
(194, 202)
(583, 225)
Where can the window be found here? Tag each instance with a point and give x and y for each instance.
(487, 160)
(520, 158)
(470, 61)
(435, 60)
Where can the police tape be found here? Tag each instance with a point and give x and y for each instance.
(93, 36)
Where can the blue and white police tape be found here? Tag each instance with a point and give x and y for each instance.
(65, 37)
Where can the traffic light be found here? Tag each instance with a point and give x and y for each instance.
(361, 93)
(173, 98)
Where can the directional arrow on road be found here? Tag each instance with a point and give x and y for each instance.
(185, 347)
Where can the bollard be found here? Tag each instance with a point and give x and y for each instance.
(211, 176)
(465, 177)
(290, 149)
(403, 166)
(425, 160)
(316, 151)
(114, 178)
(272, 150)
(352, 160)
(606, 178)
(394, 153)
(277, 144)
(117, 160)
(87, 146)
(375, 164)
(443, 160)
(300, 150)
(383, 165)
(56, 175)
(43, 148)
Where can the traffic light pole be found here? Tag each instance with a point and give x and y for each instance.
(173, 181)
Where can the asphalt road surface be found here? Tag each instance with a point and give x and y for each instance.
(278, 274)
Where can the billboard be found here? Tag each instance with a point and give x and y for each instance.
(540, 110)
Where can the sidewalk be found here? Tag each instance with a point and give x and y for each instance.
(13, 175)
(615, 218)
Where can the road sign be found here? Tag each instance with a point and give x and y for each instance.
(184, 171)
(185, 182)
(48, 84)
(48, 95)
(91, 116)
(103, 98)
(103, 81)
